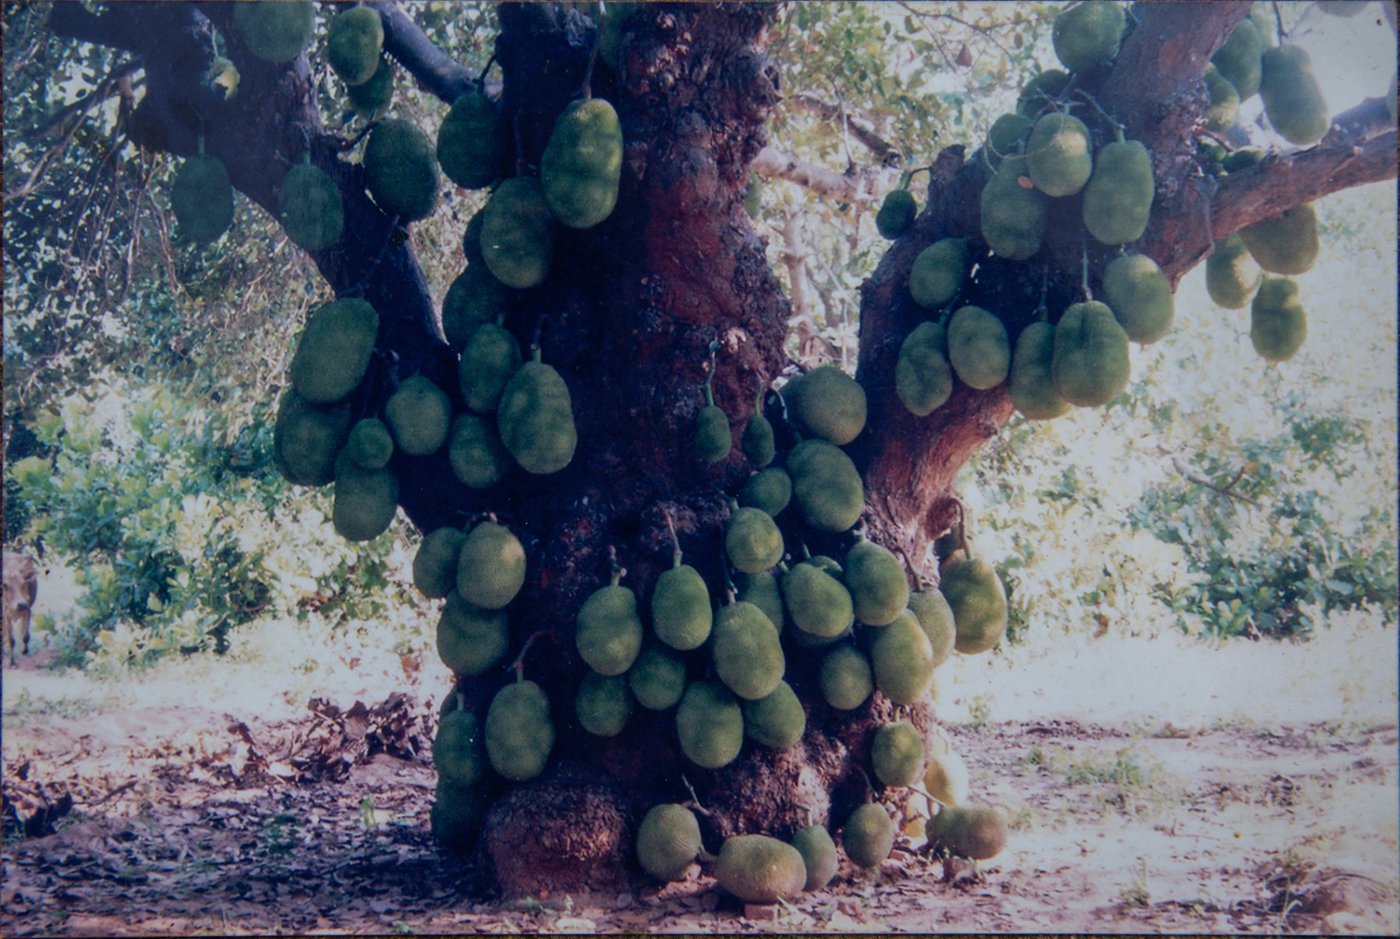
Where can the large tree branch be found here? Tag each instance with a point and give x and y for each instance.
(435, 70)
(855, 187)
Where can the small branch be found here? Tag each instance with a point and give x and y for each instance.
(435, 70)
(887, 153)
(854, 188)
(1226, 490)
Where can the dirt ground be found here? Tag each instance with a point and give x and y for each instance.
(1143, 815)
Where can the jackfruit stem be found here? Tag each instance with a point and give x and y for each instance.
(1084, 271)
(962, 526)
(201, 144)
(1117, 127)
(695, 805)
(481, 79)
(519, 664)
(587, 90)
(618, 571)
(709, 392)
(675, 542)
(758, 399)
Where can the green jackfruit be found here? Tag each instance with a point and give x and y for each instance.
(818, 855)
(419, 414)
(1343, 8)
(306, 439)
(202, 199)
(401, 170)
(747, 654)
(474, 299)
(657, 679)
(846, 679)
(1058, 157)
(334, 350)
(680, 608)
(1262, 15)
(490, 358)
(935, 617)
(753, 196)
(519, 732)
(978, 348)
(354, 40)
(710, 725)
(517, 233)
(818, 603)
(475, 452)
(1286, 243)
(757, 442)
(1031, 386)
(1137, 291)
(1243, 159)
(457, 752)
(310, 208)
(364, 502)
(668, 841)
(1231, 273)
(370, 444)
(713, 436)
(603, 704)
(275, 30)
(582, 164)
(435, 564)
(826, 486)
(373, 98)
(457, 814)
(775, 720)
(897, 752)
(1277, 324)
(1087, 34)
(471, 142)
(1224, 102)
(945, 778)
(938, 271)
(1003, 137)
(491, 567)
(762, 591)
(975, 593)
(901, 659)
(868, 836)
(896, 214)
(752, 541)
(469, 639)
(1090, 363)
(1118, 196)
(760, 869)
(923, 379)
(1013, 216)
(1040, 91)
(968, 831)
(1293, 100)
(827, 403)
(875, 578)
(536, 419)
(1239, 59)
(768, 490)
(608, 631)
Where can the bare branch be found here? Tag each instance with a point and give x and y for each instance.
(887, 153)
(855, 188)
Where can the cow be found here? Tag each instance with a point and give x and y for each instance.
(21, 587)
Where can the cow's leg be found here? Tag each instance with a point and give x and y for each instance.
(28, 615)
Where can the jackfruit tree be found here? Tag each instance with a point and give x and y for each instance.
(693, 596)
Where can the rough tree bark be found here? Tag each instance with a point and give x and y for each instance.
(628, 315)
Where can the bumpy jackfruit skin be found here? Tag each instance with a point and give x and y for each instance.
(371, 99)
(1032, 387)
(668, 841)
(1058, 157)
(1293, 100)
(1087, 35)
(868, 836)
(760, 869)
(896, 214)
(608, 632)
(1243, 159)
(875, 578)
(768, 490)
(757, 443)
(978, 599)
(1003, 138)
(1118, 196)
(603, 704)
(470, 142)
(747, 654)
(470, 639)
(275, 30)
(978, 348)
(519, 732)
(826, 486)
(1090, 363)
(457, 814)
(401, 170)
(710, 725)
(762, 591)
(364, 502)
(713, 436)
(945, 777)
(1262, 15)
(1140, 296)
(475, 452)
(897, 754)
(657, 678)
(582, 163)
(334, 351)
(489, 359)
(680, 608)
(1286, 243)
(938, 272)
(1231, 273)
(1013, 217)
(1240, 59)
(354, 40)
(753, 196)
(777, 719)
(827, 403)
(818, 603)
(310, 208)
(1278, 325)
(419, 414)
(491, 567)
(752, 541)
(370, 444)
(536, 419)
(901, 660)
(474, 298)
(435, 564)
(1040, 91)
(818, 855)
(968, 831)
(846, 678)
(306, 440)
(457, 749)
(935, 617)
(923, 379)
(1224, 102)
(202, 199)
